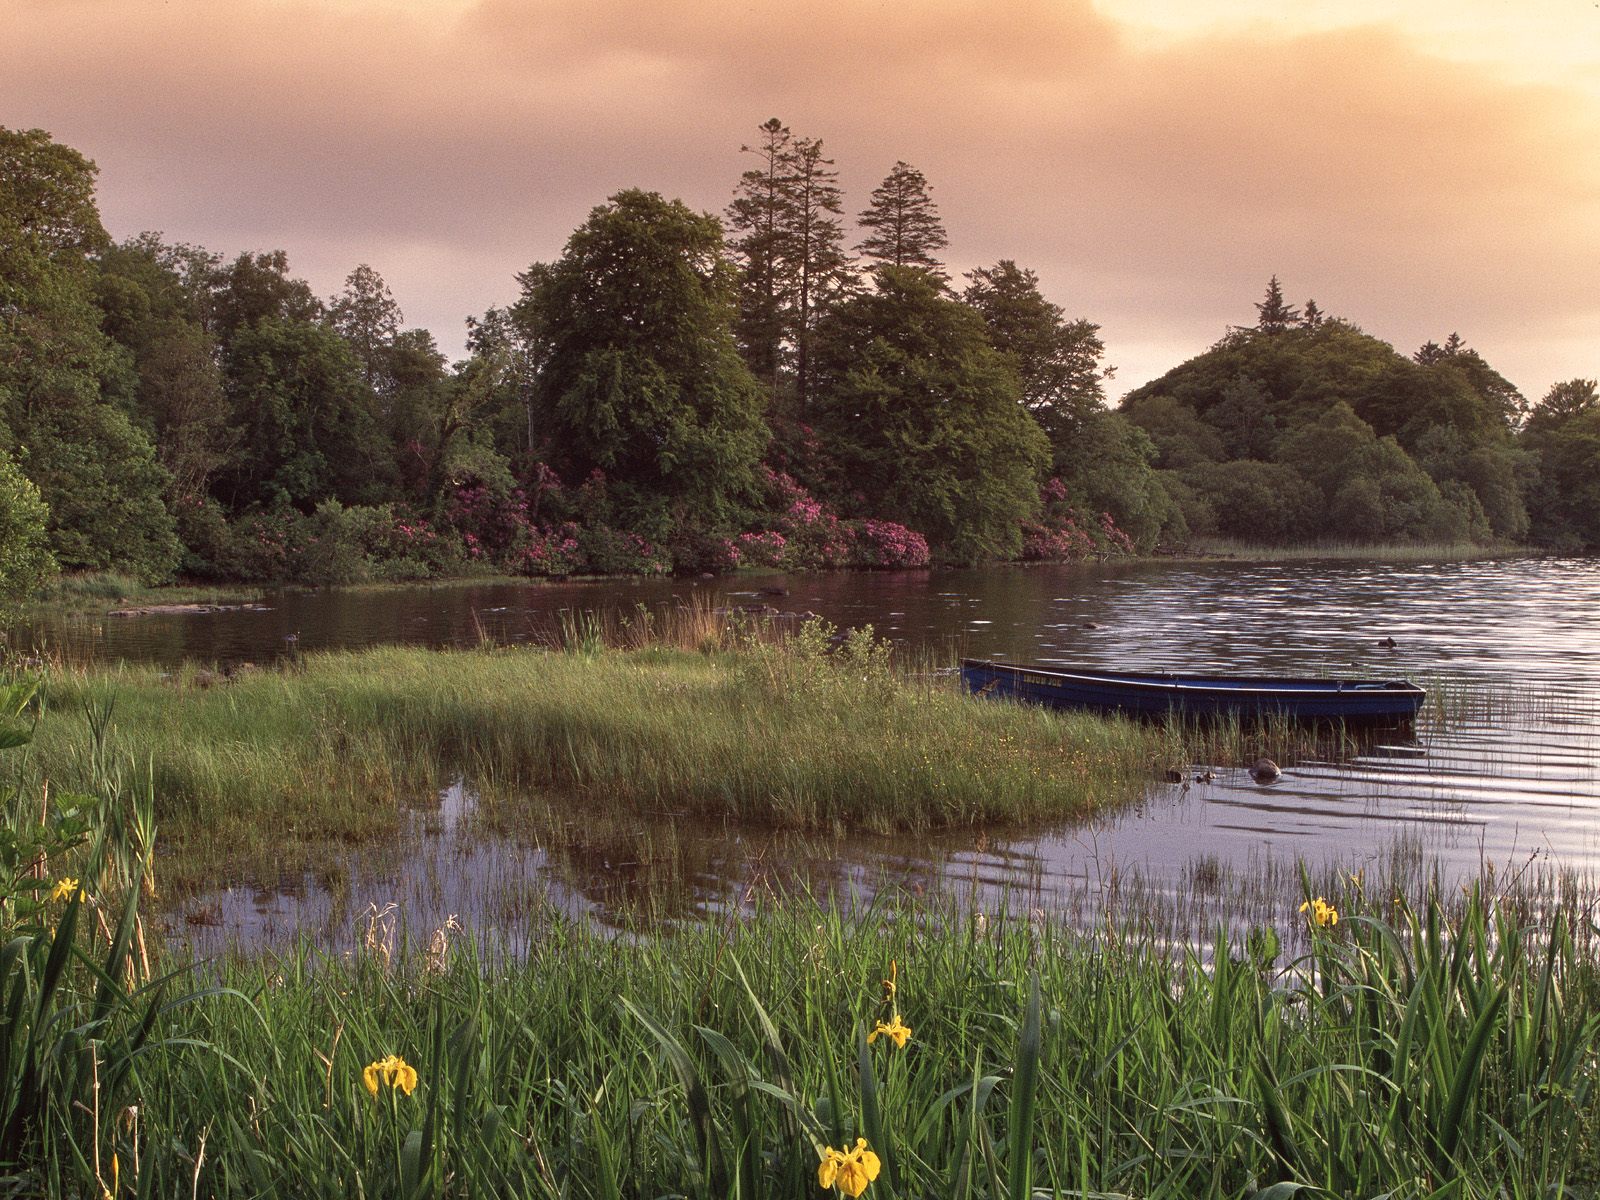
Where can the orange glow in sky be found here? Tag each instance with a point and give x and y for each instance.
(1420, 168)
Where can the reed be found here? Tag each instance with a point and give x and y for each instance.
(261, 771)
(1406, 1052)
(1203, 548)
(1425, 1049)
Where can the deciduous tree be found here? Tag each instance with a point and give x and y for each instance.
(923, 420)
(1058, 362)
(638, 374)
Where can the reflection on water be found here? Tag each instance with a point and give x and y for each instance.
(1510, 778)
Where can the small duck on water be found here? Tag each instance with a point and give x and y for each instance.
(1264, 770)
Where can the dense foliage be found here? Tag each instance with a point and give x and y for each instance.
(1304, 428)
(676, 392)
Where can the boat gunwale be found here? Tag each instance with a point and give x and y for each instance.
(1216, 684)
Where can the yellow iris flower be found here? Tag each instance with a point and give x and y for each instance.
(66, 887)
(850, 1170)
(895, 1029)
(396, 1072)
(1322, 913)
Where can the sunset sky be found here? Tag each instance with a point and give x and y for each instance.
(1153, 160)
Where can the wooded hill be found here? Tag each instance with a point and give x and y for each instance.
(1304, 427)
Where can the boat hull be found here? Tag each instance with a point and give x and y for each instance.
(1197, 696)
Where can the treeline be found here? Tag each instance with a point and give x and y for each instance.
(685, 392)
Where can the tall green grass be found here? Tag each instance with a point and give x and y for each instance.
(96, 590)
(1407, 1054)
(1407, 1051)
(785, 735)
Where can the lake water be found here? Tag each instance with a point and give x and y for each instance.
(1511, 785)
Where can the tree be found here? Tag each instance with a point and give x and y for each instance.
(1253, 501)
(25, 559)
(1563, 435)
(1562, 402)
(47, 197)
(99, 474)
(638, 374)
(255, 288)
(923, 421)
(760, 216)
(1181, 439)
(366, 316)
(1245, 419)
(1508, 404)
(62, 380)
(815, 249)
(1313, 316)
(1276, 316)
(906, 230)
(1057, 361)
(790, 240)
(305, 421)
(1108, 468)
(150, 305)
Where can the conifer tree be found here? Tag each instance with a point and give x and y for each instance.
(758, 218)
(1276, 315)
(789, 240)
(905, 225)
(815, 250)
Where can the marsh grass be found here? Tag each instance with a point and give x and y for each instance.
(1437, 1046)
(1403, 1052)
(1203, 548)
(795, 731)
(99, 590)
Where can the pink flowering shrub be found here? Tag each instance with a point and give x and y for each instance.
(546, 550)
(814, 536)
(487, 524)
(1060, 541)
(890, 544)
(762, 549)
(1063, 533)
(810, 535)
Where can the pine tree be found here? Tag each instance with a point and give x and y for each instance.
(789, 242)
(1276, 316)
(814, 247)
(906, 230)
(1313, 316)
(758, 218)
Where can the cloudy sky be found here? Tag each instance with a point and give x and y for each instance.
(1153, 160)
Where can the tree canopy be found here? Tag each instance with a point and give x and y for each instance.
(923, 419)
(673, 393)
(638, 374)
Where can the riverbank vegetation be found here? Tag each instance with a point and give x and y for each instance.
(257, 771)
(753, 390)
(1412, 1050)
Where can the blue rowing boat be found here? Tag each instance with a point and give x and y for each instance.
(1197, 696)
